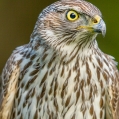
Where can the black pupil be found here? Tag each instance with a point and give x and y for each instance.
(73, 16)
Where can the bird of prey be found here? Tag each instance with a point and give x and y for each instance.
(61, 73)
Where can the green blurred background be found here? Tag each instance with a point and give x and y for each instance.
(18, 17)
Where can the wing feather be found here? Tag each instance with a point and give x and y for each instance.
(112, 94)
(10, 76)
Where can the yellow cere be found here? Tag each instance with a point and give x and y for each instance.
(72, 15)
(96, 19)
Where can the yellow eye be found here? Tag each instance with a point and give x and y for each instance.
(72, 15)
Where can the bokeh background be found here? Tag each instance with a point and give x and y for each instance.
(18, 17)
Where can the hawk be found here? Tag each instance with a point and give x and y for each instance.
(61, 73)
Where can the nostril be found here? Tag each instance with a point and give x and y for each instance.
(95, 21)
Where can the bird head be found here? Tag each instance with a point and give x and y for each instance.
(70, 21)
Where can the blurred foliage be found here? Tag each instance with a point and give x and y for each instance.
(17, 19)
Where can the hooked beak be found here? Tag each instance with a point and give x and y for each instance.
(97, 25)
(100, 27)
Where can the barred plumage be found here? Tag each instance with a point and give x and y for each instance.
(61, 73)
